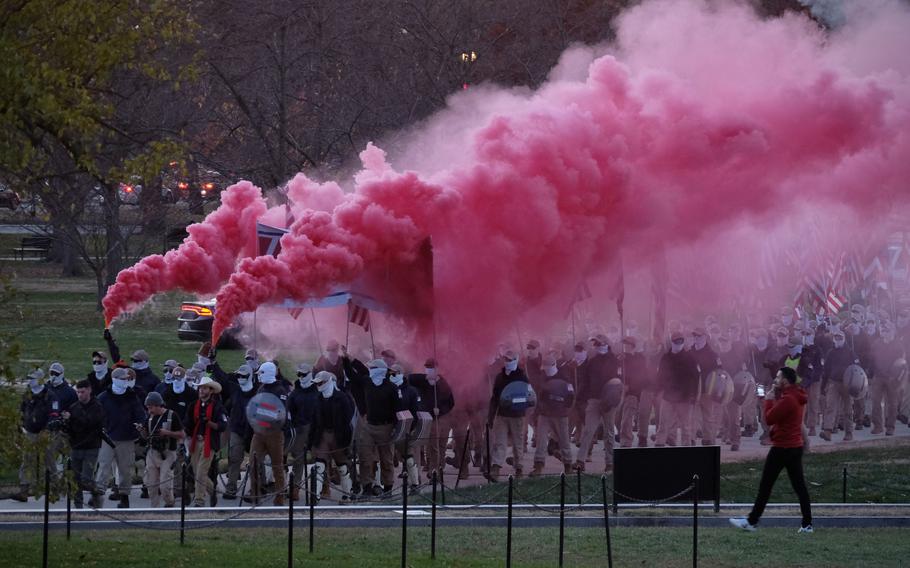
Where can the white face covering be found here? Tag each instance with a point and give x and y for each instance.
(786, 320)
(56, 380)
(838, 343)
(168, 377)
(100, 369)
(377, 375)
(677, 347)
(397, 379)
(761, 343)
(795, 351)
(119, 386)
(808, 340)
(326, 388)
(581, 356)
(550, 371)
(603, 349)
(179, 385)
(700, 342)
(140, 365)
(204, 361)
(34, 386)
(431, 374)
(511, 366)
(332, 356)
(306, 381)
(267, 379)
(246, 385)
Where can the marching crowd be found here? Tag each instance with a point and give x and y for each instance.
(351, 424)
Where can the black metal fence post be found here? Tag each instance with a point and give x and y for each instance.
(182, 502)
(463, 463)
(509, 525)
(603, 484)
(562, 514)
(69, 512)
(404, 519)
(313, 475)
(488, 465)
(47, 512)
(844, 486)
(291, 521)
(578, 485)
(695, 521)
(433, 521)
(442, 484)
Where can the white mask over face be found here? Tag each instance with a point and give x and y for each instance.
(550, 371)
(603, 349)
(34, 386)
(100, 369)
(140, 365)
(204, 361)
(431, 373)
(326, 388)
(179, 385)
(676, 347)
(581, 356)
(397, 379)
(119, 386)
(306, 381)
(511, 366)
(377, 375)
(56, 380)
(168, 377)
(761, 343)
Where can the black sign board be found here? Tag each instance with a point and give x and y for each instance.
(655, 475)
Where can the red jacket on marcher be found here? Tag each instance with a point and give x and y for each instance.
(785, 417)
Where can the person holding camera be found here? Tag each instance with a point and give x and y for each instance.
(84, 421)
(162, 431)
(784, 410)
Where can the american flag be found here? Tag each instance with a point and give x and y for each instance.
(358, 315)
(836, 296)
(269, 239)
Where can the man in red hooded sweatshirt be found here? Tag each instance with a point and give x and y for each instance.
(784, 408)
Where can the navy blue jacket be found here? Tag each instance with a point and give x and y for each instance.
(336, 414)
(302, 404)
(121, 411)
(64, 393)
(433, 396)
(237, 421)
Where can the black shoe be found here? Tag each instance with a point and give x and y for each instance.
(230, 495)
(124, 503)
(144, 494)
(22, 496)
(213, 501)
(114, 496)
(78, 504)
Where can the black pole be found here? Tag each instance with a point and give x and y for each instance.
(489, 465)
(47, 512)
(509, 526)
(69, 514)
(291, 521)
(695, 521)
(603, 484)
(562, 514)
(442, 483)
(182, 501)
(578, 485)
(844, 487)
(312, 506)
(404, 518)
(433, 521)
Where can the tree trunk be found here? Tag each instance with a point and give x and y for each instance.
(113, 237)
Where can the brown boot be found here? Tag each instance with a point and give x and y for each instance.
(825, 435)
(279, 500)
(295, 494)
(494, 473)
(568, 469)
(537, 471)
(848, 436)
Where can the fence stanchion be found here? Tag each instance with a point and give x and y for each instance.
(562, 514)
(578, 485)
(442, 483)
(69, 512)
(603, 484)
(488, 466)
(291, 521)
(844, 486)
(433, 521)
(313, 475)
(182, 501)
(509, 526)
(404, 518)
(47, 512)
(695, 521)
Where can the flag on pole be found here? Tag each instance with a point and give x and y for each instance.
(295, 312)
(619, 290)
(358, 315)
(269, 239)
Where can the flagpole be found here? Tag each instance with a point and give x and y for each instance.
(316, 330)
(347, 326)
(255, 331)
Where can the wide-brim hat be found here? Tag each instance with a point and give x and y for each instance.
(209, 382)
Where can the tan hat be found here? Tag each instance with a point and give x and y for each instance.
(208, 382)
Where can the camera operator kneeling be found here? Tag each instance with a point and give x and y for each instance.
(163, 430)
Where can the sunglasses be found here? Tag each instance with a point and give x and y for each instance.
(301, 375)
(98, 361)
(679, 341)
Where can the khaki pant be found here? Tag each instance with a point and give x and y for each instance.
(436, 445)
(124, 455)
(630, 413)
(375, 446)
(467, 436)
(297, 452)
(594, 418)
(159, 477)
(710, 417)
(813, 406)
(884, 390)
(648, 406)
(558, 426)
(675, 415)
(904, 397)
(507, 430)
(838, 401)
(732, 413)
(269, 444)
(750, 410)
(201, 464)
(236, 450)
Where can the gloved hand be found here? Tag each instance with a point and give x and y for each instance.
(107, 335)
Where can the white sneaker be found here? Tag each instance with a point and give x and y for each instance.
(806, 529)
(743, 524)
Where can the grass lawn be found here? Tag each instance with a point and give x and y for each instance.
(461, 547)
(874, 475)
